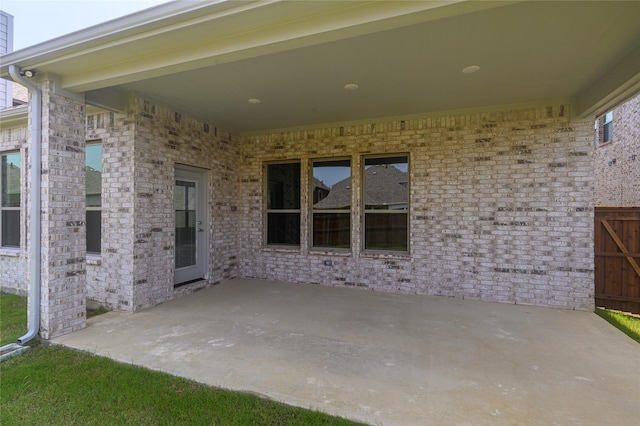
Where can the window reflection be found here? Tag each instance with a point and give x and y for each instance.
(10, 180)
(386, 183)
(184, 202)
(10, 200)
(93, 193)
(284, 186)
(386, 196)
(331, 204)
(283, 203)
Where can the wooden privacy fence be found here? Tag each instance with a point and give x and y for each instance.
(617, 258)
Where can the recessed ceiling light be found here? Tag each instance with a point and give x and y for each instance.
(351, 86)
(471, 69)
(255, 101)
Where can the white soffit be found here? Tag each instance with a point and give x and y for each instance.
(179, 38)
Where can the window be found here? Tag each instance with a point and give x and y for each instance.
(283, 203)
(607, 127)
(331, 188)
(93, 169)
(386, 203)
(603, 129)
(10, 200)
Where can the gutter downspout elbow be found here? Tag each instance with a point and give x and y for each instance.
(35, 156)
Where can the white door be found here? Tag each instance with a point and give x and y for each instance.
(191, 224)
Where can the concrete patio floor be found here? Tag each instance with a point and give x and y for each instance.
(384, 358)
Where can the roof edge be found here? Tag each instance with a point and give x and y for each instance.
(10, 118)
(619, 84)
(131, 24)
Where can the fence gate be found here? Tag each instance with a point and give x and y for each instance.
(617, 258)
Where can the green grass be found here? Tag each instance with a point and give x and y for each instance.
(628, 324)
(52, 385)
(13, 318)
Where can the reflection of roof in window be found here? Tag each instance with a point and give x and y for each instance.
(384, 185)
(317, 183)
(94, 181)
(13, 179)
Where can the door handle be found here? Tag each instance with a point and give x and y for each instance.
(200, 230)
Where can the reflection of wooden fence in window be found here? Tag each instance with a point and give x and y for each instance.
(386, 231)
(331, 230)
(617, 258)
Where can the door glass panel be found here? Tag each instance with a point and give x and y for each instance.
(184, 202)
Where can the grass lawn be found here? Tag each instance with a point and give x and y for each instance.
(50, 384)
(628, 324)
(13, 318)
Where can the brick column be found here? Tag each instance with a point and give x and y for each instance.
(63, 259)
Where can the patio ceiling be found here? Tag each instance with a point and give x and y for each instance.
(208, 59)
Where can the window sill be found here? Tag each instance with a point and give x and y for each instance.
(94, 259)
(10, 251)
(607, 143)
(386, 255)
(282, 249)
(330, 252)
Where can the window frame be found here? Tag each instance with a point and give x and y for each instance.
(268, 211)
(11, 208)
(312, 211)
(366, 211)
(94, 208)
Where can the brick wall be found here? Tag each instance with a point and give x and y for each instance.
(140, 150)
(163, 138)
(617, 163)
(109, 275)
(501, 207)
(63, 239)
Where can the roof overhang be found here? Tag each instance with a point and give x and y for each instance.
(208, 58)
(12, 118)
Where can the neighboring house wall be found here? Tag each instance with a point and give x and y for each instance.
(20, 94)
(617, 163)
(501, 207)
(6, 46)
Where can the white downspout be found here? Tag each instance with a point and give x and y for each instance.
(35, 155)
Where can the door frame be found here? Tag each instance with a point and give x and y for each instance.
(200, 269)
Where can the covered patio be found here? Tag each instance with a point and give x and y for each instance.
(486, 108)
(384, 358)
